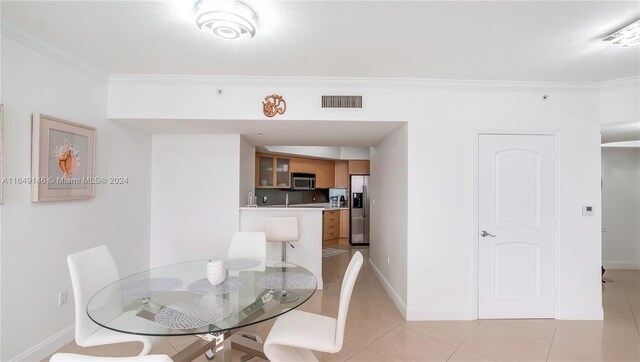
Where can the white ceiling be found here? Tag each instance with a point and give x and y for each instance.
(278, 132)
(502, 40)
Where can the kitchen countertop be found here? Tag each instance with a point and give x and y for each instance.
(278, 207)
(319, 206)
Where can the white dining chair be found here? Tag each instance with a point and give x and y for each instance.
(72, 357)
(92, 270)
(246, 244)
(293, 339)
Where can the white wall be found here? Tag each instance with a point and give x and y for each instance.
(247, 170)
(194, 196)
(442, 230)
(621, 208)
(442, 117)
(355, 153)
(620, 102)
(37, 237)
(388, 195)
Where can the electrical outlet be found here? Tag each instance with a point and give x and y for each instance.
(388, 261)
(62, 297)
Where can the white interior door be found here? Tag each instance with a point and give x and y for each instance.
(516, 226)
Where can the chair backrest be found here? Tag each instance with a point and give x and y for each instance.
(247, 244)
(90, 270)
(72, 357)
(348, 282)
(282, 229)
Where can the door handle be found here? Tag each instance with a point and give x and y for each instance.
(484, 234)
(364, 201)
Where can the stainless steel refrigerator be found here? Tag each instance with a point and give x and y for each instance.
(359, 206)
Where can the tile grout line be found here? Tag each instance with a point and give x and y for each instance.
(436, 338)
(527, 338)
(389, 331)
(465, 339)
(626, 292)
(370, 351)
(552, 339)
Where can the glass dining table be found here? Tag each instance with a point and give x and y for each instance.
(179, 300)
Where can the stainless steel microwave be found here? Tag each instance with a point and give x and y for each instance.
(303, 181)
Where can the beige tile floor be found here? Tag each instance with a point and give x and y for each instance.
(377, 332)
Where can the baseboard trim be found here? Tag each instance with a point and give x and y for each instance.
(620, 265)
(48, 346)
(395, 297)
(440, 314)
(581, 313)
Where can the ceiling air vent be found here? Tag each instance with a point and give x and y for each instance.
(341, 101)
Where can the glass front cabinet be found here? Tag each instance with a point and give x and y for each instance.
(272, 172)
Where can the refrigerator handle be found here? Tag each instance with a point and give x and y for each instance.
(364, 201)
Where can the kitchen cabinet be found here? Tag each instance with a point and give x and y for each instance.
(323, 169)
(301, 165)
(359, 167)
(341, 170)
(330, 227)
(272, 172)
(325, 174)
(344, 223)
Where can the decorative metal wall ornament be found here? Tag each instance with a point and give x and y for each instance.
(274, 104)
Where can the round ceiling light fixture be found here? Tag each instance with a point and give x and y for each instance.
(227, 19)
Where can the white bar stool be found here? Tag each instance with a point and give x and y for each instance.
(283, 230)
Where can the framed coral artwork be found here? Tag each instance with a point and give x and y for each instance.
(63, 160)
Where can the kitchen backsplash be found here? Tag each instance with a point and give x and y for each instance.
(277, 197)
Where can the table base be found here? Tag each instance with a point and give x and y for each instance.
(222, 346)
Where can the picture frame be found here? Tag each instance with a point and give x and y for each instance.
(63, 160)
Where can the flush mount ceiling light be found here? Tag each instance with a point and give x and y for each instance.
(226, 18)
(626, 37)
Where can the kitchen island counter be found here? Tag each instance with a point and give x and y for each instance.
(308, 249)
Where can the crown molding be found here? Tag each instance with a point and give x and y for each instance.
(358, 83)
(20, 34)
(622, 83)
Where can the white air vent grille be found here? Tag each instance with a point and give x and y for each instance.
(341, 101)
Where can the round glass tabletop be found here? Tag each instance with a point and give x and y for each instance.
(178, 299)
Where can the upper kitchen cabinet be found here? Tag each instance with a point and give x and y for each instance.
(325, 174)
(342, 174)
(272, 172)
(323, 169)
(359, 167)
(301, 165)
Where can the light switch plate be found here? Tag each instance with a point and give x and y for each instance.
(587, 210)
